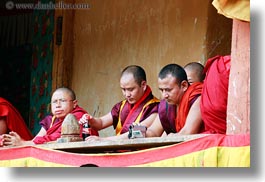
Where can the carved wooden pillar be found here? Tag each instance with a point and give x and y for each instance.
(238, 109)
(63, 46)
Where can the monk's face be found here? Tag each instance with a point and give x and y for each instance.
(170, 90)
(130, 89)
(62, 104)
(192, 76)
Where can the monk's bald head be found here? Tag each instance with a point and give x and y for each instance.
(194, 71)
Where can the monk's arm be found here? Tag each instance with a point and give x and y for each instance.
(13, 139)
(194, 119)
(102, 122)
(156, 128)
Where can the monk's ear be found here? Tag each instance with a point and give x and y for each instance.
(75, 103)
(143, 84)
(184, 85)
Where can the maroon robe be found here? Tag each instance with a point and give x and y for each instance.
(128, 117)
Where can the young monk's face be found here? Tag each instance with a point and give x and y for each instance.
(192, 76)
(62, 104)
(130, 89)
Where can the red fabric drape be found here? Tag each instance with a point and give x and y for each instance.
(14, 120)
(215, 93)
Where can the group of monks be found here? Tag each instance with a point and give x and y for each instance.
(193, 100)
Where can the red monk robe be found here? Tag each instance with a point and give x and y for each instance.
(215, 93)
(53, 127)
(14, 120)
(192, 93)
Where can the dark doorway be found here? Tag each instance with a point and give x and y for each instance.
(15, 75)
(16, 32)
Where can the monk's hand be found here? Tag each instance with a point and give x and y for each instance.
(84, 119)
(12, 139)
(173, 134)
(1, 141)
(93, 138)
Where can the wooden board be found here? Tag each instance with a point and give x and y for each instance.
(119, 145)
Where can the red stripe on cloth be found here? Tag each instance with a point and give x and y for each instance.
(14, 153)
(127, 158)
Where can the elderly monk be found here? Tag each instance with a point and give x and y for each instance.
(63, 102)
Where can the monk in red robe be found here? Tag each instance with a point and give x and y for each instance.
(11, 120)
(179, 111)
(139, 105)
(215, 94)
(63, 102)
